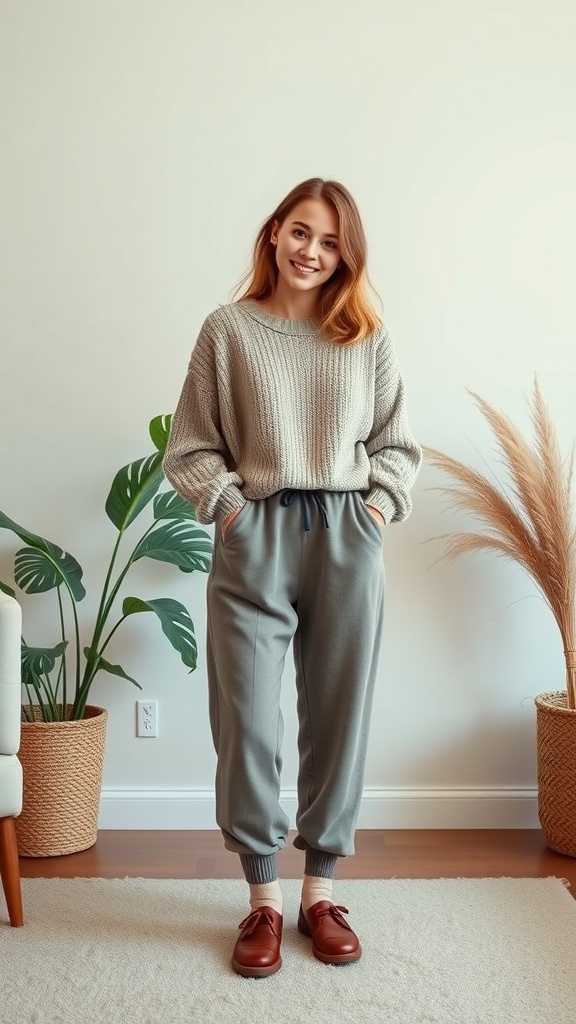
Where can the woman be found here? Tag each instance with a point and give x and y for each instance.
(291, 434)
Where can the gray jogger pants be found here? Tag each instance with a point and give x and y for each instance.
(306, 566)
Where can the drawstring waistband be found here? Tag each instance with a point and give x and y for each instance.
(288, 497)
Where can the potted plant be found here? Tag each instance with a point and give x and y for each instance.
(531, 521)
(62, 747)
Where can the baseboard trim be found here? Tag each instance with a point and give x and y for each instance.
(159, 809)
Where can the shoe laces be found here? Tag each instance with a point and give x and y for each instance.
(335, 912)
(256, 918)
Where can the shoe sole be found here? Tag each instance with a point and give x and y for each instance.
(256, 972)
(344, 958)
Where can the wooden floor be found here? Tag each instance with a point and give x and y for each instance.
(415, 853)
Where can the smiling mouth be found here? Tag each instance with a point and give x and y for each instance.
(303, 269)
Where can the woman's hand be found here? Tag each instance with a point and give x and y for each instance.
(377, 515)
(229, 520)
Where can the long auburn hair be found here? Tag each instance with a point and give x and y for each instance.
(346, 315)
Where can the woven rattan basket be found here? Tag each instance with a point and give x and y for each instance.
(62, 765)
(556, 740)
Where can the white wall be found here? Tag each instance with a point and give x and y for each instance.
(143, 143)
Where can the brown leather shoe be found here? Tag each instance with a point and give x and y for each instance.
(333, 940)
(257, 951)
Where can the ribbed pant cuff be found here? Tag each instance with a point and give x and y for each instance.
(319, 864)
(259, 869)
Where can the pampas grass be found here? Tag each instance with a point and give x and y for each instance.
(530, 522)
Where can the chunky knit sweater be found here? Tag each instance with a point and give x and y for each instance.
(269, 404)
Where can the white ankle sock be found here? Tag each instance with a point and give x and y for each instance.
(315, 889)
(266, 894)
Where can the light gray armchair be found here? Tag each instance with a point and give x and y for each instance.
(10, 767)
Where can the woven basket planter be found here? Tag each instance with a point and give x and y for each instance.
(556, 741)
(62, 766)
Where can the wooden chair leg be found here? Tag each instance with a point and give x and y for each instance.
(10, 871)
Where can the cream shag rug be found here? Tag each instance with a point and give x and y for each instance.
(146, 951)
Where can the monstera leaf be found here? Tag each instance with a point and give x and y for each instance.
(39, 661)
(132, 488)
(37, 664)
(178, 543)
(175, 621)
(170, 505)
(160, 431)
(43, 566)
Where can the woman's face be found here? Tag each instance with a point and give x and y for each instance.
(307, 249)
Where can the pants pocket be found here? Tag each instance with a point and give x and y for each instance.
(235, 525)
(367, 515)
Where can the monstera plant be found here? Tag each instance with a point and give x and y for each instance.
(57, 680)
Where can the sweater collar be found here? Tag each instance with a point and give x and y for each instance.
(278, 323)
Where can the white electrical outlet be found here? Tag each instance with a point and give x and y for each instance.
(147, 718)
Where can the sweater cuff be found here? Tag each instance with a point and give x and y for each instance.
(381, 500)
(229, 501)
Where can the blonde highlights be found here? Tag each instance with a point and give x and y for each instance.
(345, 312)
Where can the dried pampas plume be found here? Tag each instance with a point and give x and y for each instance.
(532, 522)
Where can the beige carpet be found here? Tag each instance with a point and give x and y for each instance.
(142, 951)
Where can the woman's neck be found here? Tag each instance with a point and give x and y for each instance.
(290, 306)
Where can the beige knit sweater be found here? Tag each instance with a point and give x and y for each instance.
(269, 404)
